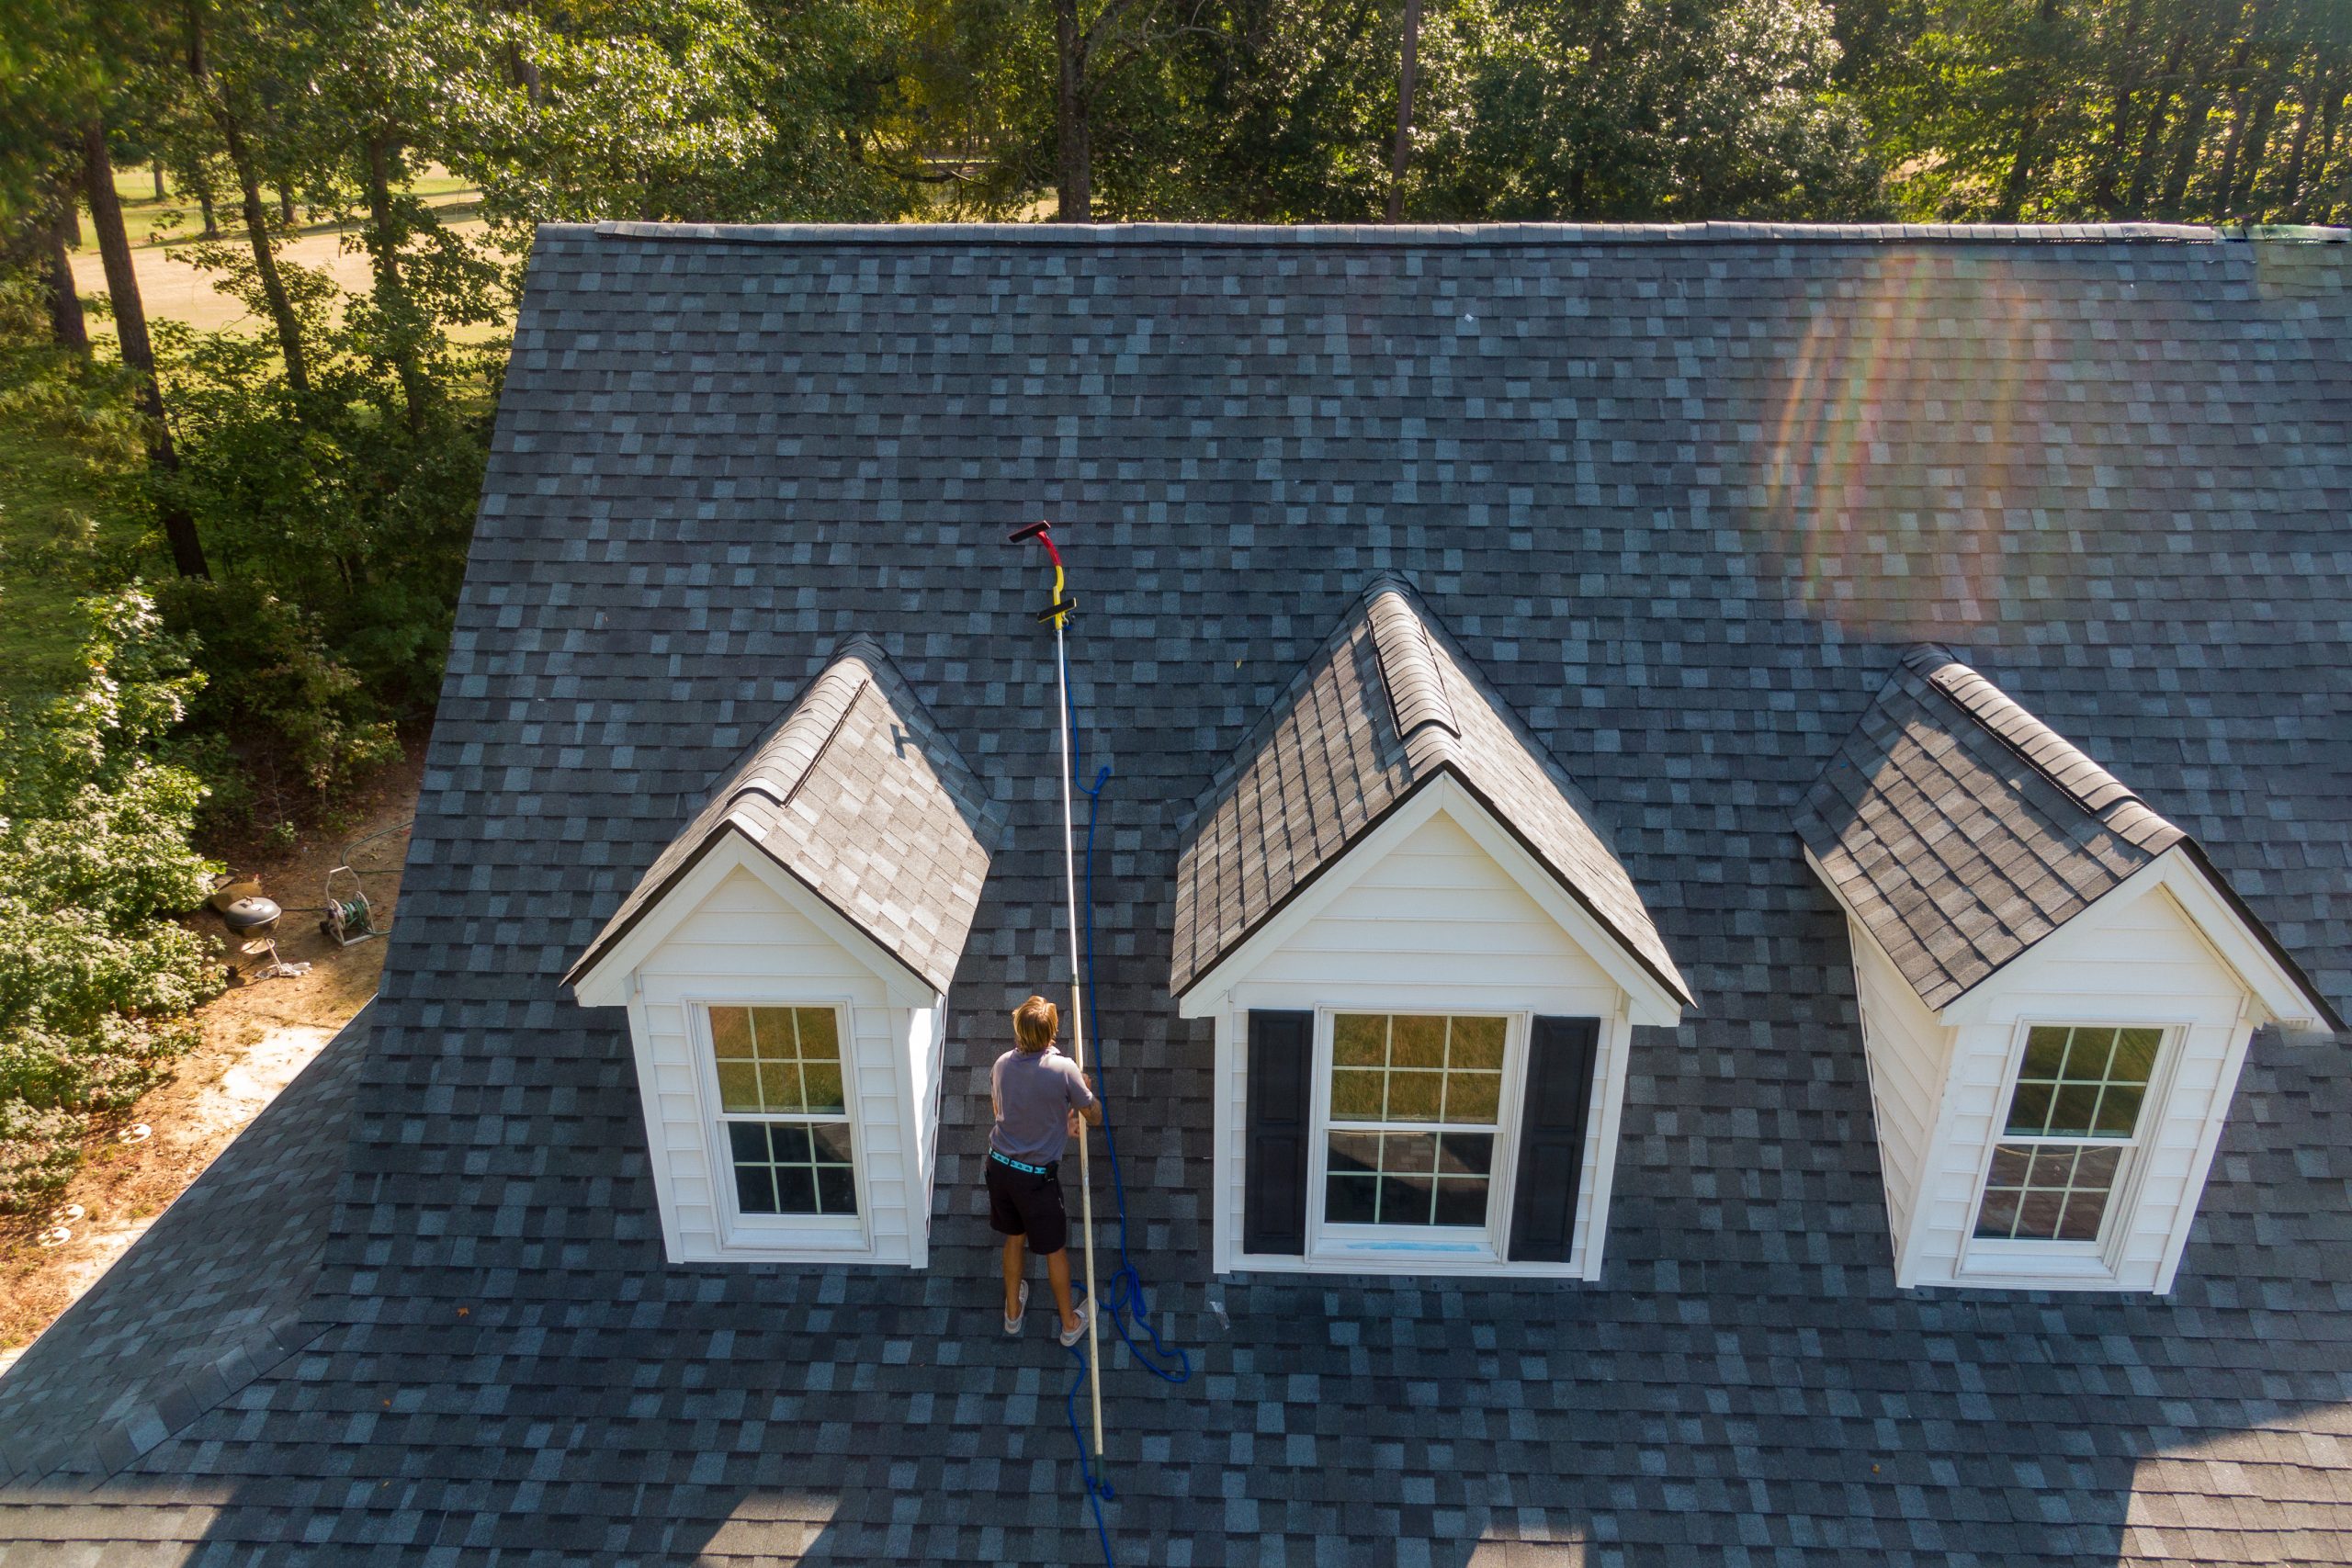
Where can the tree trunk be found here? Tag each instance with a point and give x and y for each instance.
(2019, 183)
(211, 220)
(1404, 112)
(2192, 125)
(66, 324)
(2256, 146)
(2107, 177)
(2152, 140)
(241, 159)
(285, 205)
(131, 333)
(157, 170)
(2291, 194)
(1073, 159)
(392, 293)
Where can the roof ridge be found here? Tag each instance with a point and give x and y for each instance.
(2029, 737)
(1446, 235)
(1412, 682)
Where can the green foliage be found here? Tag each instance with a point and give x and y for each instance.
(70, 491)
(96, 985)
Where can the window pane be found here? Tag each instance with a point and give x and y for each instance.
(2029, 1109)
(821, 1082)
(1360, 1039)
(2038, 1210)
(1355, 1096)
(2045, 1052)
(755, 1189)
(730, 1031)
(1477, 1042)
(780, 1086)
(1409, 1152)
(819, 1034)
(2135, 1056)
(1473, 1096)
(2119, 1108)
(2009, 1162)
(2072, 1113)
(1349, 1200)
(1461, 1200)
(831, 1140)
(796, 1190)
(1469, 1154)
(2086, 1057)
(1998, 1217)
(739, 1086)
(1414, 1097)
(1354, 1152)
(836, 1190)
(2083, 1211)
(747, 1141)
(1405, 1199)
(1416, 1042)
(772, 1032)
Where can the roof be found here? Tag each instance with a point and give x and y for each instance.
(1387, 705)
(858, 795)
(1960, 829)
(1684, 501)
(211, 1296)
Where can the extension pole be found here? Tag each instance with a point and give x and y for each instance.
(1078, 1039)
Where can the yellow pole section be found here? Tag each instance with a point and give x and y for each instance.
(1077, 1027)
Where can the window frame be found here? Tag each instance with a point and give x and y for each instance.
(1329, 1242)
(766, 1232)
(2100, 1256)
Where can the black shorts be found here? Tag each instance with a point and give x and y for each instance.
(1023, 1204)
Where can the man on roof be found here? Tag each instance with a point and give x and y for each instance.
(1039, 1096)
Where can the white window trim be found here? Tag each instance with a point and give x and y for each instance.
(782, 1237)
(2073, 1261)
(1331, 1245)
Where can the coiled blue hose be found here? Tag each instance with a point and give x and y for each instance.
(1125, 1299)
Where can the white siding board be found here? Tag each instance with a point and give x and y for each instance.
(1907, 1051)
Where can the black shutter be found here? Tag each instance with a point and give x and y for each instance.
(1274, 1200)
(1550, 1137)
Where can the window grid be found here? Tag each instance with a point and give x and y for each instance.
(2072, 1117)
(782, 1108)
(1439, 1076)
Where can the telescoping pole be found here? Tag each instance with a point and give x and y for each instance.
(1059, 613)
(1078, 1041)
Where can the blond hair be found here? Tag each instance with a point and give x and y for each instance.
(1035, 1023)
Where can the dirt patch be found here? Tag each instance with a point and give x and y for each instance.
(255, 1038)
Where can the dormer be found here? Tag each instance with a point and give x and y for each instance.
(1425, 963)
(784, 963)
(2057, 991)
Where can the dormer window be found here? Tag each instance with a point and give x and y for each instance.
(785, 961)
(1425, 964)
(2057, 991)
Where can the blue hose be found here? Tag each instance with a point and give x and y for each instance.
(1126, 1300)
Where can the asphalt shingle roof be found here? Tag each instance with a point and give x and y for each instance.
(1962, 830)
(1684, 498)
(1387, 705)
(857, 794)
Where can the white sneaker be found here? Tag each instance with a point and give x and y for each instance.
(1085, 1310)
(1013, 1324)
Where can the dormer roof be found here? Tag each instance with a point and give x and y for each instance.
(1387, 706)
(859, 795)
(1961, 831)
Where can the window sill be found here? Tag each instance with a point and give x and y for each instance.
(1468, 1261)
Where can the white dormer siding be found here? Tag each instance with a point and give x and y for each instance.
(737, 932)
(1437, 912)
(2161, 954)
